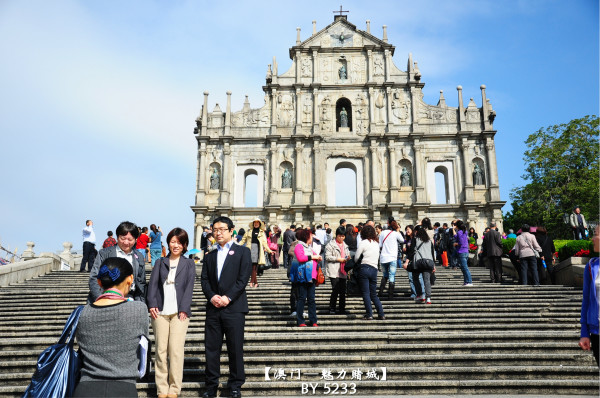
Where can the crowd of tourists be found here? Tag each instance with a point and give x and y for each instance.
(113, 328)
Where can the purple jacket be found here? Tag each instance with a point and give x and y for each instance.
(463, 242)
(589, 304)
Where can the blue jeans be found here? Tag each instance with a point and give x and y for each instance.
(464, 267)
(389, 270)
(306, 292)
(155, 254)
(367, 280)
(413, 290)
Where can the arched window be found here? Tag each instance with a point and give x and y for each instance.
(346, 105)
(250, 188)
(442, 191)
(345, 184)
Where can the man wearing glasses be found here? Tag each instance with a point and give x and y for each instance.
(224, 278)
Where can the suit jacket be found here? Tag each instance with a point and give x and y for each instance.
(184, 284)
(493, 243)
(234, 278)
(139, 273)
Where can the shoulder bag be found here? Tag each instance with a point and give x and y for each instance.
(58, 367)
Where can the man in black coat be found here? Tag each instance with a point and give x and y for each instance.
(289, 236)
(224, 277)
(493, 251)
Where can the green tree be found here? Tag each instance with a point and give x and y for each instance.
(561, 167)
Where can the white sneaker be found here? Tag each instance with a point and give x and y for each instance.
(428, 301)
(468, 284)
(420, 299)
(305, 314)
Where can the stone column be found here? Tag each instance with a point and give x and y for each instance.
(228, 114)
(298, 67)
(492, 169)
(388, 101)
(388, 66)
(371, 107)
(393, 166)
(315, 62)
(319, 173)
(274, 112)
(484, 109)
(273, 179)
(461, 109)
(298, 179)
(298, 110)
(415, 103)
(375, 166)
(66, 255)
(369, 66)
(315, 111)
(418, 147)
(226, 175)
(205, 114)
(468, 177)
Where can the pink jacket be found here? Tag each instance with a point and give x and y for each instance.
(302, 257)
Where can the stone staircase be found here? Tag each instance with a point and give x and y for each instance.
(485, 339)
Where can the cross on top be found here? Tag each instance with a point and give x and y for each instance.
(340, 11)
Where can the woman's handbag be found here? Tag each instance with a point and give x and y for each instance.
(266, 265)
(59, 366)
(320, 277)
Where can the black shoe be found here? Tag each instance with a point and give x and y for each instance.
(381, 317)
(236, 394)
(209, 394)
(331, 311)
(343, 312)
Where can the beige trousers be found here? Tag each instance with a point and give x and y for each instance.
(169, 336)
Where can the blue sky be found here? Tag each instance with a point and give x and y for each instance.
(98, 98)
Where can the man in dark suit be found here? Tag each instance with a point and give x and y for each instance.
(493, 249)
(127, 233)
(224, 277)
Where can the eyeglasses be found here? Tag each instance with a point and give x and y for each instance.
(221, 230)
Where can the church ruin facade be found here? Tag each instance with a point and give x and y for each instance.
(344, 105)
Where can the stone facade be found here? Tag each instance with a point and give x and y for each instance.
(345, 104)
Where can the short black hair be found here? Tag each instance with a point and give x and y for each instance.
(436, 225)
(328, 231)
(127, 227)
(112, 263)
(525, 228)
(319, 226)
(224, 220)
(343, 220)
(109, 233)
(181, 236)
(292, 226)
(87, 221)
(340, 231)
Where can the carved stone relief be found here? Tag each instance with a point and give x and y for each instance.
(357, 70)
(307, 109)
(285, 112)
(326, 114)
(380, 107)
(378, 65)
(362, 116)
(306, 67)
(400, 106)
(326, 69)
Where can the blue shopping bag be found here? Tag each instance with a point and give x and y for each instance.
(301, 272)
(59, 366)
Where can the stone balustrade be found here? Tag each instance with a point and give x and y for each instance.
(32, 266)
